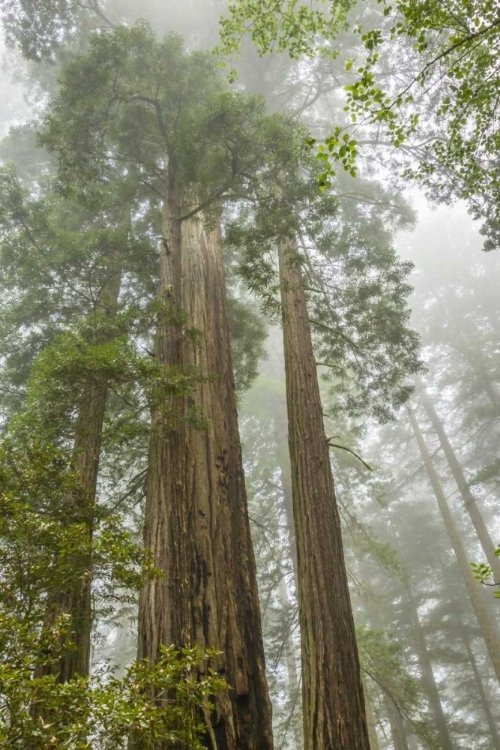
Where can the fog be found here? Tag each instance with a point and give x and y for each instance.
(403, 305)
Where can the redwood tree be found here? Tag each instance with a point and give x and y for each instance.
(334, 715)
(152, 103)
(380, 350)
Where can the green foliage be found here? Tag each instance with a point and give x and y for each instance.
(483, 573)
(104, 711)
(58, 261)
(293, 25)
(449, 103)
(357, 289)
(37, 26)
(124, 103)
(43, 549)
(382, 661)
(247, 342)
(44, 544)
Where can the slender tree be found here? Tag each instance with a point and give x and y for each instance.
(75, 602)
(75, 372)
(428, 677)
(333, 705)
(485, 623)
(334, 713)
(463, 486)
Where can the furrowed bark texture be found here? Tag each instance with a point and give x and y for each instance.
(333, 704)
(75, 600)
(484, 620)
(197, 523)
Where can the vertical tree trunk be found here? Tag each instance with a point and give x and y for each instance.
(75, 599)
(371, 720)
(464, 634)
(281, 436)
(475, 594)
(483, 697)
(428, 679)
(293, 686)
(197, 523)
(294, 683)
(463, 486)
(398, 731)
(333, 704)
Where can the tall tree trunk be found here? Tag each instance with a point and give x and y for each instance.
(464, 634)
(75, 600)
(371, 720)
(197, 523)
(398, 731)
(428, 679)
(475, 594)
(463, 486)
(333, 704)
(293, 686)
(294, 683)
(481, 691)
(281, 436)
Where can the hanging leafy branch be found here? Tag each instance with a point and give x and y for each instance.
(483, 573)
(448, 59)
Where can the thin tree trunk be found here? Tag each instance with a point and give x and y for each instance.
(428, 679)
(294, 683)
(463, 486)
(281, 435)
(398, 731)
(75, 600)
(293, 687)
(475, 594)
(463, 632)
(333, 704)
(483, 697)
(197, 523)
(371, 720)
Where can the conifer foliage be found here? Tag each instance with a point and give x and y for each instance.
(153, 220)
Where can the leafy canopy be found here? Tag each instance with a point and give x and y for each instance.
(447, 57)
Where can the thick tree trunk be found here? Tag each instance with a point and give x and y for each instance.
(197, 523)
(486, 625)
(333, 704)
(463, 486)
(75, 600)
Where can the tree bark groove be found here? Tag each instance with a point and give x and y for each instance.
(333, 704)
(197, 524)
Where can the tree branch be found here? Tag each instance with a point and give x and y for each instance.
(345, 448)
